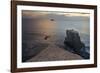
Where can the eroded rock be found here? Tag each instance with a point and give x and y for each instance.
(72, 40)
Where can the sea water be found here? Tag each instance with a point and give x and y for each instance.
(34, 29)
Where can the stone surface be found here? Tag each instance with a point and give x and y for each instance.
(54, 53)
(72, 40)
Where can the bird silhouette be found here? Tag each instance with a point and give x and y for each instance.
(46, 37)
(52, 19)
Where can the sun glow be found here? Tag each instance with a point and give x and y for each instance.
(41, 13)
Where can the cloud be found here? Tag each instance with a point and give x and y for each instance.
(73, 14)
(36, 14)
(78, 14)
(33, 13)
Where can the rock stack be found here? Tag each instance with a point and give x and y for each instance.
(73, 41)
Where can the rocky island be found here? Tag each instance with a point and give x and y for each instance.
(73, 41)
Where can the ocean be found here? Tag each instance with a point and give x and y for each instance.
(35, 30)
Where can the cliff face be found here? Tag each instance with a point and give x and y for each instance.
(73, 41)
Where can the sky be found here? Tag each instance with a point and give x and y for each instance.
(42, 13)
(52, 21)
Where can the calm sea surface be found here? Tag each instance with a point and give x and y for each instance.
(35, 29)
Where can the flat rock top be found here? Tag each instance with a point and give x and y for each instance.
(54, 53)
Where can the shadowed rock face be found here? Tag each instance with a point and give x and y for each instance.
(73, 41)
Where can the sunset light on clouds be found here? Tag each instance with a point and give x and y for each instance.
(42, 13)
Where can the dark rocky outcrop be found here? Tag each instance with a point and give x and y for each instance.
(73, 41)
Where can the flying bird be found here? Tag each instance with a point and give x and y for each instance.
(52, 19)
(46, 37)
